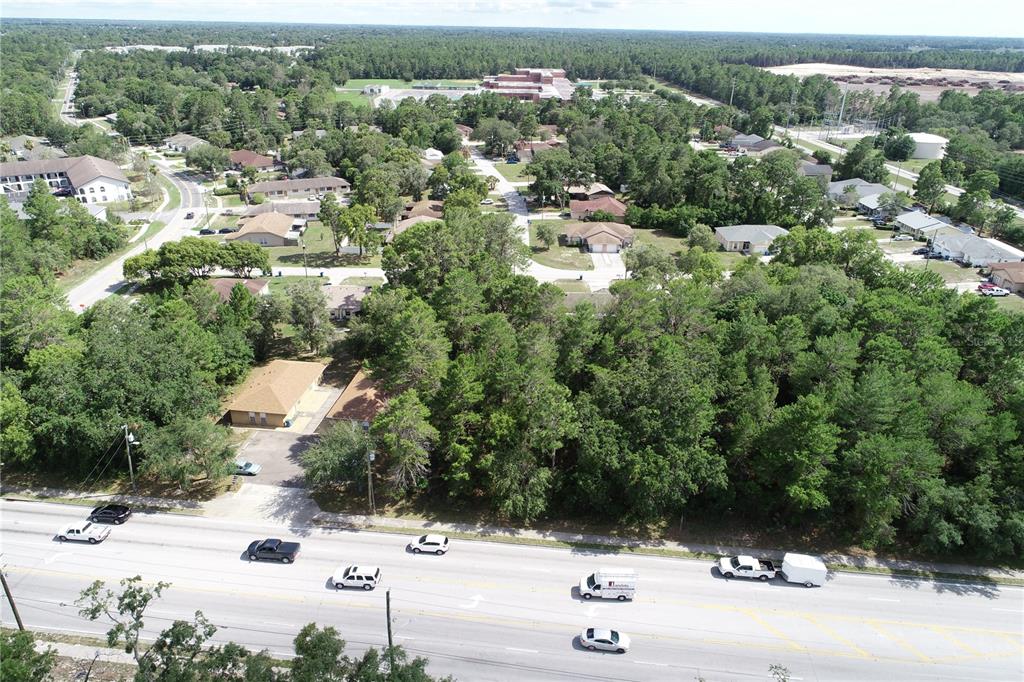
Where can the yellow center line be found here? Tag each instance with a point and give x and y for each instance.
(757, 618)
(900, 642)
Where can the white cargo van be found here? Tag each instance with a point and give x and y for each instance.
(801, 568)
(609, 583)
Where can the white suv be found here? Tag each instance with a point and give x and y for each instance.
(365, 577)
(434, 544)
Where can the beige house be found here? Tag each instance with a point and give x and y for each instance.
(1009, 276)
(272, 393)
(304, 187)
(267, 229)
(345, 300)
(748, 238)
(403, 225)
(599, 237)
(581, 210)
(430, 208)
(591, 191)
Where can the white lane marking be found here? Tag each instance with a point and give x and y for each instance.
(55, 557)
(660, 665)
(522, 651)
(404, 637)
(1008, 610)
(881, 599)
(474, 602)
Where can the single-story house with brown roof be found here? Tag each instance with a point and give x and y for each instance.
(599, 237)
(1009, 276)
(431, 208)
(360, 402)
(302, 187)
(271, 394)
(345, 300)
(243, 157)
(591, 191)
(583, 209)
(225, 285)
(268, 229)
(526, 150)
(464, 130)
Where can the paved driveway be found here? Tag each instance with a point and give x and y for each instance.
(278, 452)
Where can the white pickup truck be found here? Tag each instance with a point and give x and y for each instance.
(743, 566)
(84, 532)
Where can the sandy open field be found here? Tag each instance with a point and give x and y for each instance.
(917, 74)
(928, 83)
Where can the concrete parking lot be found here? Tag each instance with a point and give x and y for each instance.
(278, 452)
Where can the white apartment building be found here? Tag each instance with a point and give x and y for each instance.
(89, 179)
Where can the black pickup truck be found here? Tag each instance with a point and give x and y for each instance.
(273, 550)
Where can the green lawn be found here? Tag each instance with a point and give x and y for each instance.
(513, 173)
(279, 285)
(558, 256)
(951, 272)
(319, 252)
(360, 83)
(1013, 303)
(351, 96)
(230, 201)
(225, 221)
(661, 239)
(172, 191)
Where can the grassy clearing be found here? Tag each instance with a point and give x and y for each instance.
(351, 96)
(319, 252)
(279, 285)
(230, 201)
(951, 272)
(558, 256)
(360, 83)
(1013, 303)
(662, 239)
(515, 172)
(572, 286)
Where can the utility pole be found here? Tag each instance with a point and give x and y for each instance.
(842, 109)
(21, 626)
(391, 641)
(129, 439)
(732, 91)
(370, 456)
(792, 102)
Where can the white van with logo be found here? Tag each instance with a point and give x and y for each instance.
(609, 583)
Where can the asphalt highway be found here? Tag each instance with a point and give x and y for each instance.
(490, 611)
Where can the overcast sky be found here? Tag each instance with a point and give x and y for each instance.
(1002, 18)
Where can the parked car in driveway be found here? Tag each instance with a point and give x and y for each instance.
(921, 251)
(995, 291)
(86, 531)
(207, 230)
(366, 577)
(903, 238)
(246, 468)
(273, 549)
(110, 513)
(433, 544)
(227, 230)
(603, 639)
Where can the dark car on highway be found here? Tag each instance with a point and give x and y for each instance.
(273, 549)
(190, 215)
(110, 513)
